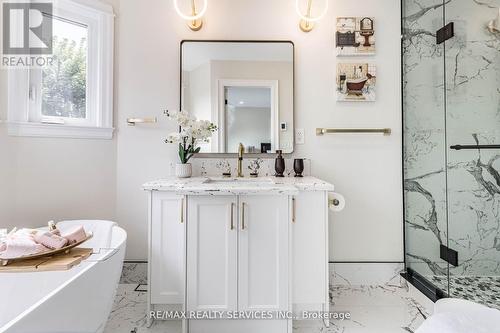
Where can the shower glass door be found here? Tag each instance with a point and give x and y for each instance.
(451, 113)
(424, 150)
(472, 67)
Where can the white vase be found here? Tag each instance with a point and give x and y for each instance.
(183, 170)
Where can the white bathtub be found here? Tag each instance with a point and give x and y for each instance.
(452, 315)
(77, 300)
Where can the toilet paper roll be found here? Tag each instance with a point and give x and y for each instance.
(336, 202)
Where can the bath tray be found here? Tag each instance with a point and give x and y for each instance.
(59, 262)
(64, 250)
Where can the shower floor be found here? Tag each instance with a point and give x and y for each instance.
(480, 289)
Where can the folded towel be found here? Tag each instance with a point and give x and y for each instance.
(55, 232)
(101, 231)
(24, 232)
(20, 246)
(50, 240)
(75, 234)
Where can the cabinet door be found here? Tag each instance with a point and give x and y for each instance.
(263, 252)
(310, 252)
(211, 253)
(167, 249)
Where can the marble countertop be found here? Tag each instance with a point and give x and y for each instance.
(224, 186)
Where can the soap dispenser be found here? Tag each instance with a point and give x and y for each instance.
(279, 164)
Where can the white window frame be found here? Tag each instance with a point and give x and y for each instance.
(24, 105)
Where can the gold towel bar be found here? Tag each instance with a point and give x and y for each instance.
(322, 131)
(133, 121)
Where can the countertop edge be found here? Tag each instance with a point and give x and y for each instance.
(195, 186)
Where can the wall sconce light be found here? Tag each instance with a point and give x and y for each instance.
(194, 20)
(307, 20)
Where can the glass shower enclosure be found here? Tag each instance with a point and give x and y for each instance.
(451, 147)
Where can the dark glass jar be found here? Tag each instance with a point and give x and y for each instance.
(279, 164)
(298, 167)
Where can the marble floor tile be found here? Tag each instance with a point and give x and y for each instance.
(378, 308)
(129, 314)
(374, 308)
(134, 272)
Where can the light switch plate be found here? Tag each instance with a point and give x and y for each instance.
(300, 136)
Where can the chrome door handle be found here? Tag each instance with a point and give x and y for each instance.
(293, 210)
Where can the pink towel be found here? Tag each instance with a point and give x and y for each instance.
(75, 234)
(20, 246)
(50, 240)
(56, 232)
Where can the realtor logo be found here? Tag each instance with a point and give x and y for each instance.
(27, 28)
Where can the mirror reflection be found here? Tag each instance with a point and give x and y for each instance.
(245, 89)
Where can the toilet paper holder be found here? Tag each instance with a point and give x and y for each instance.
(336, 202)
(333, 202)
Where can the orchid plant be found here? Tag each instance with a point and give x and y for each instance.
(192, 132)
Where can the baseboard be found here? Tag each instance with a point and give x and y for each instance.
(365, 262)
(365, 273)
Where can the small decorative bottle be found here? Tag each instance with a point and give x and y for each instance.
(279, 164)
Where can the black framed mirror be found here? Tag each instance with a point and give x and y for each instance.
(245, 88)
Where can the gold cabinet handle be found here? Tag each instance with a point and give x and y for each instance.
(182, 210)
(293, 210)
(242, 216)
(232, 216)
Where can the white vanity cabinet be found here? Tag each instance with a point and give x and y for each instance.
(263, 255)
(237, 259)
(310, 252)
(237, 253)
(166, 274)
(225, 248)
(212, 255)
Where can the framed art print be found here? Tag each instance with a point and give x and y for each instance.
(355, 36)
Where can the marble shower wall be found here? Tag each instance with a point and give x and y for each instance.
(473, 117)
(451, 96)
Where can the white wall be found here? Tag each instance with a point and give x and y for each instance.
(60, 178)
(5, 155)
(43, 179)
(366, 169)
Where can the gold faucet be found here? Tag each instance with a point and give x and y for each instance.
(241, 150)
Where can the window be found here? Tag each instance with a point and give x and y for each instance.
(64, 82)
(71, 96)
(58, 92)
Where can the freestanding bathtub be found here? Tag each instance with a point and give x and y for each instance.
(453, 315)
(76, 300)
